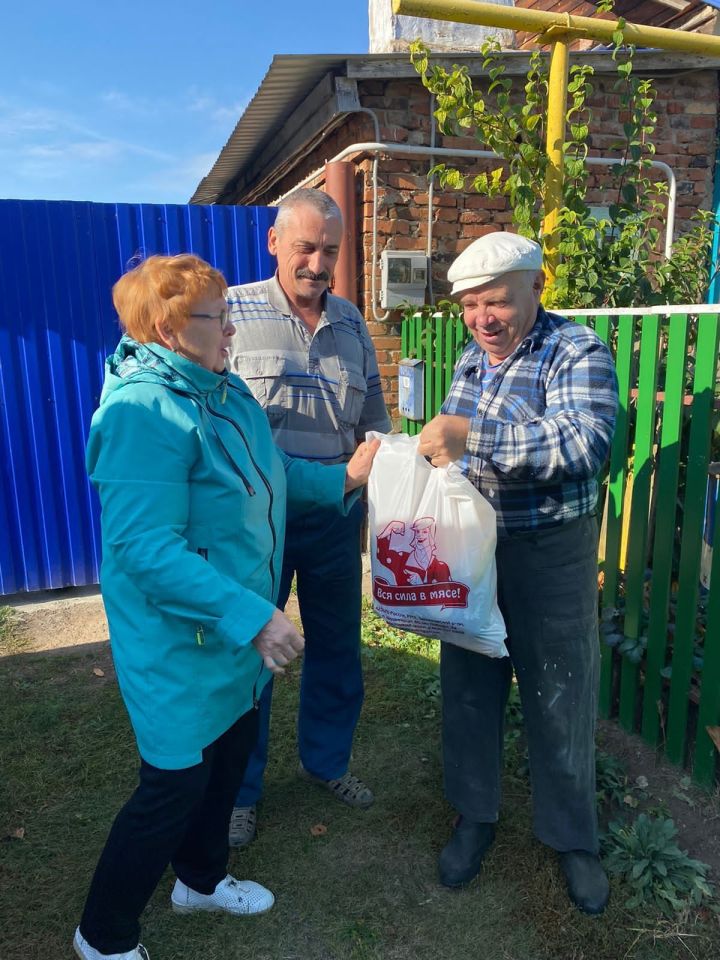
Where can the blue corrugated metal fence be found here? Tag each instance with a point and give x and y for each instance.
(58, 263)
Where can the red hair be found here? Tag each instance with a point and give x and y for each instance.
(163, 288)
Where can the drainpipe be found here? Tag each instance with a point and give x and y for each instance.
(714, 288)
(431, 195)
(340, 185)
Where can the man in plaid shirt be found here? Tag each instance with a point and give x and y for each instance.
(529, 418)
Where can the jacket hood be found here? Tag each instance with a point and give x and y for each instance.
(134, 362)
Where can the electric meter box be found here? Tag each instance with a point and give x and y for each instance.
(404, 278)
(411, 388)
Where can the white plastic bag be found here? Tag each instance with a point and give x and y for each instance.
(432, 543)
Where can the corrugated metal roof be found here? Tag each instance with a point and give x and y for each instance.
(285, 85)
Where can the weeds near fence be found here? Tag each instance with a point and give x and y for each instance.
(645, 855)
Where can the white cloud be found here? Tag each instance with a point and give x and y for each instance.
(176, 181)
(110, 147)
(133, 105)
(213, 109)
(78, 152)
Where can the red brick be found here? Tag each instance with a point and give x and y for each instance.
(476, 229)
(462, 143)
(703, 123)
(408, 243)
(393, 134)
(472, 216)
(405, 181)
(448, 214)
(385, 342)
(376, 329)
(477, 202)
(464, 242)
(439, 199)
(445, 229)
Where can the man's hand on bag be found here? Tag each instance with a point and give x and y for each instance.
(444, 439)
(278, 642)
(360, 465)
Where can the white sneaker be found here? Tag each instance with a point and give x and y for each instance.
(242, 898)
(84, 950)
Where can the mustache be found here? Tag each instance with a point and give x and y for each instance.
(306, 274)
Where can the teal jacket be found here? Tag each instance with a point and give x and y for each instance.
(193, 493)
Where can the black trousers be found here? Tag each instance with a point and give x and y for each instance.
(179, 817)
(547, 591)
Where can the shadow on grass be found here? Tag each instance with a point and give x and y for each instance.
(364, 890)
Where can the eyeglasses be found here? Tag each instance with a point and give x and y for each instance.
(222, 316)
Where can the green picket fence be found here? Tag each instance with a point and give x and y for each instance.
(660, 631)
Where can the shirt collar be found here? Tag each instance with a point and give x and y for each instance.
(278, 299)
(532, 339)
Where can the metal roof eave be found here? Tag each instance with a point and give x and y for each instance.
(286, 83)
(290, 77)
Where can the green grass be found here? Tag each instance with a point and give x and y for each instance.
(11, 638)
(365, 890)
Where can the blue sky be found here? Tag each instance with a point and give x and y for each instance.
(133, 101)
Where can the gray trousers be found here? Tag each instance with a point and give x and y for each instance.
(547, 591)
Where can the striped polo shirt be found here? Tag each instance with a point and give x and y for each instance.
(321, 391)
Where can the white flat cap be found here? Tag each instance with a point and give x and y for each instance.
(489, 257)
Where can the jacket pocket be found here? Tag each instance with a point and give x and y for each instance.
(351, 398)
(265, 376)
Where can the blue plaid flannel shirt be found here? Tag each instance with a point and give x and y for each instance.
(541, 430)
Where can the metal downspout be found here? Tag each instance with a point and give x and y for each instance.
(340, 185)
(714, 286)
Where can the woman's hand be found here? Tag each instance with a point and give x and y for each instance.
(278, 643)
(360, 465)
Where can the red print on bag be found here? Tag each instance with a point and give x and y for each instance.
(415, 567)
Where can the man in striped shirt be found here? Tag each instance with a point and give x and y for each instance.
(309, 360)
(529, 417)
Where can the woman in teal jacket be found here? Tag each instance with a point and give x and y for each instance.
(193, 494)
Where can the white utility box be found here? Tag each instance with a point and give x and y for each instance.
(404, 278)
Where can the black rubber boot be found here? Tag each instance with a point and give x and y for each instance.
(462, 856)
(587, 882)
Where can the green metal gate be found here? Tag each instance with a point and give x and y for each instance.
(660, 630)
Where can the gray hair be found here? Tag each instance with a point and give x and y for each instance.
(306, 197)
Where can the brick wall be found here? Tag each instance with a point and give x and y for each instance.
(687, 108)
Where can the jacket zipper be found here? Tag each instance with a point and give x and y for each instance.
(200, 632)
(266, 482)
